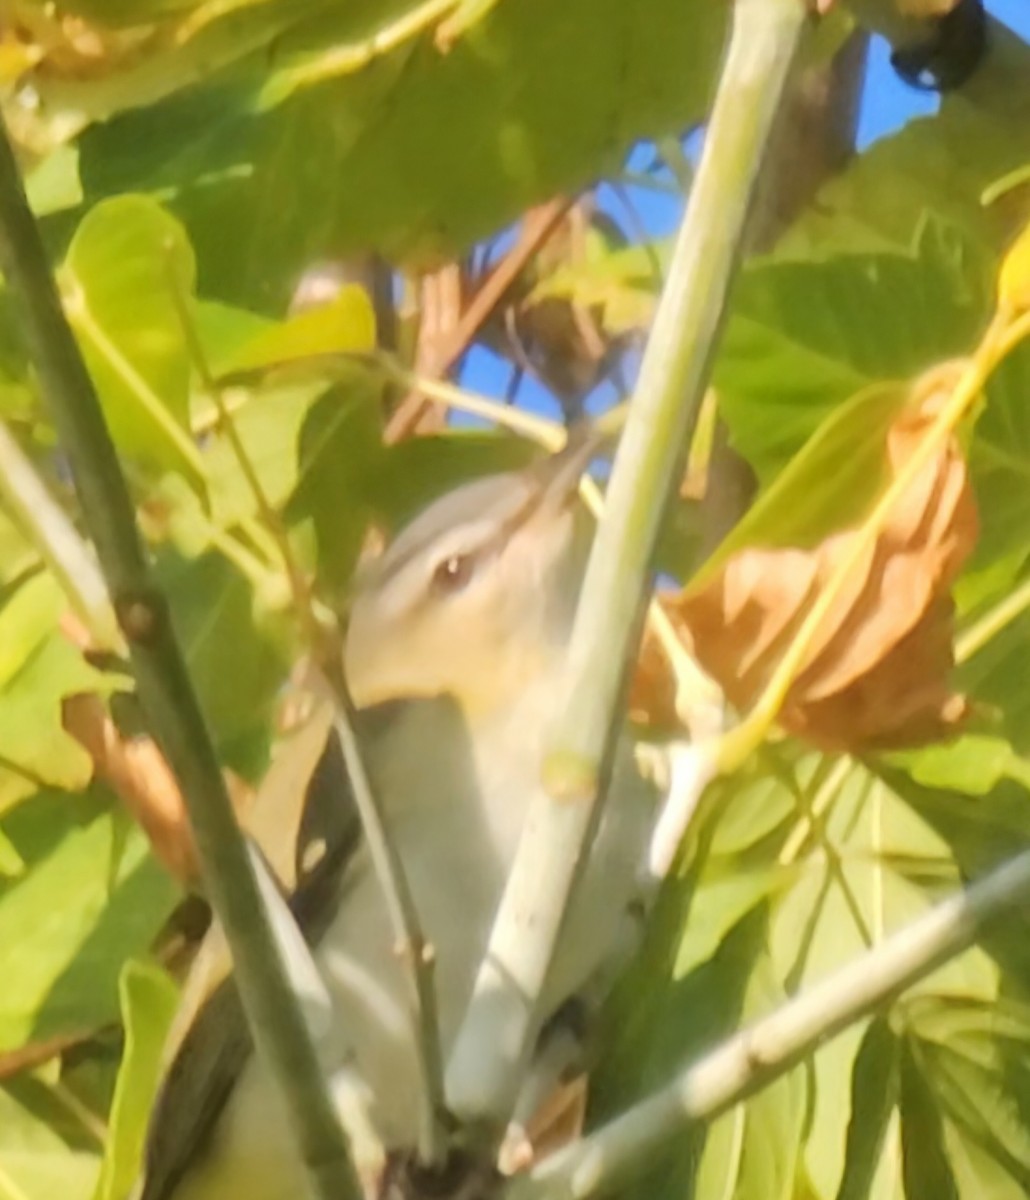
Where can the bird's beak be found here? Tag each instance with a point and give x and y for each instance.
(558, 476)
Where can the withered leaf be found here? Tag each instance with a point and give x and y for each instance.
(876, 672)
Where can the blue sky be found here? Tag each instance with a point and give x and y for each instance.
(887, 104)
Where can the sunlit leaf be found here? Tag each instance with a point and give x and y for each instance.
(882, 867)
(44, 1151)
(346, 325)
(1014, 276)
(33, 743)
(148, 1003)
(123, 263)
(393, 157)
(808, 334)
(89, 906)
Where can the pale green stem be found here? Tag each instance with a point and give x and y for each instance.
(493, 1043)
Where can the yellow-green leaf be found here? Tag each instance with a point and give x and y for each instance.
(1014, 276)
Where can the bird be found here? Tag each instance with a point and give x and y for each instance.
(455, 643)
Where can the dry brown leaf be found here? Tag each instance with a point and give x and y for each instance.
(876, 672)
(652, 691)
(557, 1121)
(560, 1119)
(135, 770)
(137, 773)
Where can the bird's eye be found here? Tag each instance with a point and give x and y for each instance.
(453, 572)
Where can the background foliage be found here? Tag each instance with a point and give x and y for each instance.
(191, 163)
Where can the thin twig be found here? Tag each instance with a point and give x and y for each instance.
(168, 697)
(536, 229)
(38, 515)
(410, 942)
(756, 1056)
(299, 587)
(1012, 606)
(494, 1040)
(326, 650)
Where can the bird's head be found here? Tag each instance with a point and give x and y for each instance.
(474, 598)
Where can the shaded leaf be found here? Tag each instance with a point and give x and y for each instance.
(939, 164)
(718, 905)
(872, 865)
(237, 661)
(871, 1150)
(927, 1171)
(971, 1056)
(340, 465)
(999, 465)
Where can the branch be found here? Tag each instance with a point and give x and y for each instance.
(167, 694)
(410, 942)
(754, 1057)
(493, 1043)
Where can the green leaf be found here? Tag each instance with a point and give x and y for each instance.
(927, 1171)
(972, 765)
(269, 429)
(148, 1003)
(804, 336)
(237, 661)
(11, 862)
(28, 617)
(996, 677)
(223, 330)
(393, 157)
(751, 808)
(33, 744)
(766, 1134)
(44, 1151)
(85, 918)
(416, 471)
(341, 461)
(939, 164)
(653, 1023)
(874, 866)
(872, 1166)
(346, 325)
(999, 466)
(971, 1056)
(126, 257)
(829, 485)
(718, 905)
